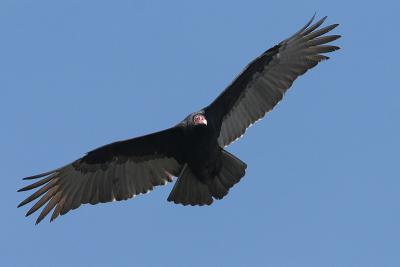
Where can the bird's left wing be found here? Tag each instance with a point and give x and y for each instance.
(264, 81)
(117, 171)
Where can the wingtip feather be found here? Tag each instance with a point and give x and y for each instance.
(39, 175)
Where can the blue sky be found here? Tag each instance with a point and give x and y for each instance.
(322, 186)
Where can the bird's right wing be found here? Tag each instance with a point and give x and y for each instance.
(264, 81)
(117, 171)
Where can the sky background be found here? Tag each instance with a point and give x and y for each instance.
(322, 186)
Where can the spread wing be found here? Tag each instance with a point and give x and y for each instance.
(117, 171)
(264, 81)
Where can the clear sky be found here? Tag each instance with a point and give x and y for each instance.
(323, 183)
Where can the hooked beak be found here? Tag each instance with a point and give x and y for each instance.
(199, 119)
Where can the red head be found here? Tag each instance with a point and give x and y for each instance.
(199, 119)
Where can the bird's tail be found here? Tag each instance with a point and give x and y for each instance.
(189, 190)
(233, 169)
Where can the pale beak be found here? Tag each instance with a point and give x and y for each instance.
(204, 121)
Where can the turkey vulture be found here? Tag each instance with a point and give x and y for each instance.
(193, 150)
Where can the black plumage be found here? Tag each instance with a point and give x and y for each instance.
(193, 150)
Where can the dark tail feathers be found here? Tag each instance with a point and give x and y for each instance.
(233, 169)
(189, 190)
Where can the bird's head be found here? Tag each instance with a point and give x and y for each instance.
(194, 120)
(199, 119)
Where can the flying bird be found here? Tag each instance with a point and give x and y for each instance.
(194, 149)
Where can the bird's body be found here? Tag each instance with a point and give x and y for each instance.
(193, 150)
(202, 152)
